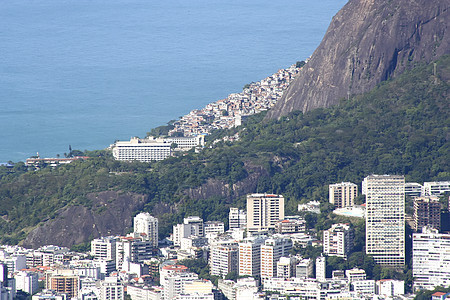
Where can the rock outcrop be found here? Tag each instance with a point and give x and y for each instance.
(111, 213)
(366, 43)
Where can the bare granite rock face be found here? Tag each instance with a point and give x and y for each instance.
(111, 213)
(366, 43)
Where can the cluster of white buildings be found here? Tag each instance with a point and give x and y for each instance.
(228, 113)
(257, 248)
(151, 148)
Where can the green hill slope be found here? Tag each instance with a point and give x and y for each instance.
(401, 127)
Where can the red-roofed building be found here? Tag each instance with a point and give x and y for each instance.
(440, 296)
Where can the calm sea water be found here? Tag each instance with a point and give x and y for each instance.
(88, 72)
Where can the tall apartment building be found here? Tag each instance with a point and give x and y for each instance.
(237, 218)
(343, 194)
(104, 248)
(321, 269)
(145, 224)
(385, 219)
(427, 212)
(264, 211)
(27, 282)
(273, 249)
(286, 267)
(250, 256)
(111, 289)
(192, 225)
(223, 259)
(436, 188)
(132, 250)
(431, 259)
(338, 240)
(64, 284)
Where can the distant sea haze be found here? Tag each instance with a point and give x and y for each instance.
(88, 72)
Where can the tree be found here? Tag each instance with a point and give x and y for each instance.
(300, 64)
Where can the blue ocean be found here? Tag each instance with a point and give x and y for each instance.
(88, 72)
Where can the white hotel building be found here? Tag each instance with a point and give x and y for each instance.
(151, 149)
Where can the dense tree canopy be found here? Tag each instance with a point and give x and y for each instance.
(401, 127)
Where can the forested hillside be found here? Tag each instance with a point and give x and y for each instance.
(400, 127)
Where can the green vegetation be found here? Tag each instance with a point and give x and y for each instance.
(300, 64)
(200, 267)
(426, 295)
(161, 130)
(401, 127)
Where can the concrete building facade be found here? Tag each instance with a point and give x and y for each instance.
(145, 224)
(273, 249)
(427, 212)
(264, 211)
(385, 219)
(338, 240)
(237, 218)
(250, 256)
(343, 194)
(431, 259)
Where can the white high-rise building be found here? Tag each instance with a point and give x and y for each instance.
(321, 269)
(286, 267)
(145, 224)
(343, 194)
(223, 259)
(132, 250)
(250, 256)
(431, 259)
(237, 218)
(338, 240)
(264, 211)
(104, 249)
(111, 289)
(272, 250)
(27, 282)
(385, 219)
(191, 226)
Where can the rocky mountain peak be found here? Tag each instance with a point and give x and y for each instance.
(368, 42)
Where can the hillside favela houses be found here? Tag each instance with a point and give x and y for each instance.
(226, 113)
(260, 255)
